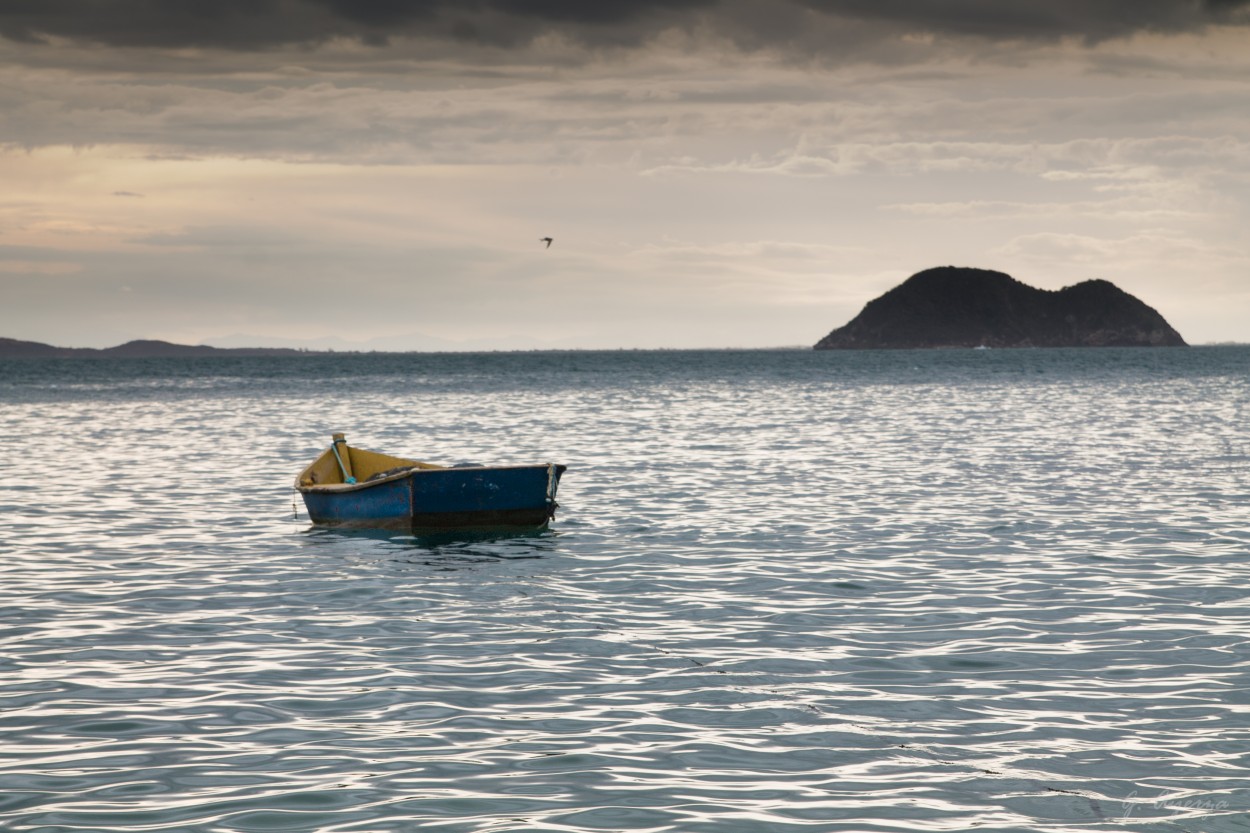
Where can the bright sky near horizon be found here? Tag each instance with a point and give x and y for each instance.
(715, 173)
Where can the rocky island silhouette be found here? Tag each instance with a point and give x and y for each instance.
(952, 306)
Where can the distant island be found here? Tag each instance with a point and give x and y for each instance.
(11, 348)
(953, 306)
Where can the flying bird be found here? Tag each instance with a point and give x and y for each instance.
(546, 240)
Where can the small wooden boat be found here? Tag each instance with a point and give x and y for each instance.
(348, 486)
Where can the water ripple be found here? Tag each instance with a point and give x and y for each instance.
(787, 591)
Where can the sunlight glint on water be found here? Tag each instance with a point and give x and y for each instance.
(786, 591)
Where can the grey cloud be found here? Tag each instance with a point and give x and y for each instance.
(1046, 19)
(257, 24)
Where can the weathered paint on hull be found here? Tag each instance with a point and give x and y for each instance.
(456, 498)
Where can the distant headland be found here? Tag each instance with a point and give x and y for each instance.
(953, 306)
(11, 348)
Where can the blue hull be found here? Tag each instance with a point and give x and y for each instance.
(455, 498)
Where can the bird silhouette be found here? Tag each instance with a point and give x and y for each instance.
(546, 240)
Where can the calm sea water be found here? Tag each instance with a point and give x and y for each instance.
(786, 591)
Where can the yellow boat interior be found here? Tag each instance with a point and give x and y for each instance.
(343, 465)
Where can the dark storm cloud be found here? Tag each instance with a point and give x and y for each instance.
(1088, 19)
(257, 24)
(252, 24)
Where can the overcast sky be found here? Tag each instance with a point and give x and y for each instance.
(714, 173)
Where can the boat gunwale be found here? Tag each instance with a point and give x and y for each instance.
(334, 488)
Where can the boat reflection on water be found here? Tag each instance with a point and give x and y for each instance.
(445, 546)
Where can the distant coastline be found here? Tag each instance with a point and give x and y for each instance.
(151, 349)
(11, 348)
